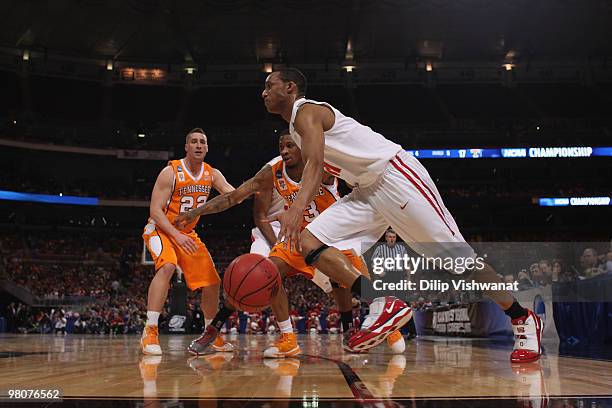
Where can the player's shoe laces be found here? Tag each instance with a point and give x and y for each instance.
(285, 346)
(204, 344)
(387, 314)
(396, 342)
(149, 342)
(528, 338)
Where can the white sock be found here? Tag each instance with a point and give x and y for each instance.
(207, 322)
(152, 318)
(286, 326)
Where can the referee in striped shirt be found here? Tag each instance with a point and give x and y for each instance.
(392, 249)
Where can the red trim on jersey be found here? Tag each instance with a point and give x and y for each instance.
(333, 170)
(423, 194)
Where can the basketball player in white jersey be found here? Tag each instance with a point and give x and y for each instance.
(266, 204)
(390, 188)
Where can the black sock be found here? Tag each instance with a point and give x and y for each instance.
(362, 285)
(347, 320)
(515, 311)
(221, 316)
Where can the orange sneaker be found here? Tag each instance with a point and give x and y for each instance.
(396, 342)
(149, 342)
(285, 346)
(221, 345)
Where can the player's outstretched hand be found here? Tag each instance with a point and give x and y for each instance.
(184, 218)
(185, 242)
(290, 228)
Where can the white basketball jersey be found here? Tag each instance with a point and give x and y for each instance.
(353, 152)
(277, 203)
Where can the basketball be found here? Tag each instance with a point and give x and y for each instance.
(250, 282)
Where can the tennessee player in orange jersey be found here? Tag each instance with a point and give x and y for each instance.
(284, 176)
(182, 185)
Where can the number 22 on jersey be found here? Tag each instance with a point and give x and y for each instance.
(187, 203)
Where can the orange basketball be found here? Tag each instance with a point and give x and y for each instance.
(250, 282)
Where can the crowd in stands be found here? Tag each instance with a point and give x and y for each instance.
(110, 282)
(88, 283)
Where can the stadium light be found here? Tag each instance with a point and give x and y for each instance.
(349, 67)
(349, 57)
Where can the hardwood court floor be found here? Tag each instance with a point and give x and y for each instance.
(93, 367)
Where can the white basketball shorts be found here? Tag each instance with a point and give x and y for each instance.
(405, 198)
(260, 245)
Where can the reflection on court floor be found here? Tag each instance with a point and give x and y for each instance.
(431, 369)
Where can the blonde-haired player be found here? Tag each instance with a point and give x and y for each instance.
(182, 185)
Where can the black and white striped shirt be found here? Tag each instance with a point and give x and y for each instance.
(386, 251)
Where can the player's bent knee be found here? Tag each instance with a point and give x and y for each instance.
(308, 242)
(314, 255)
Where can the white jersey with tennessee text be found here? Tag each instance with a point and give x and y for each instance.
(277, 204)
(353, 152)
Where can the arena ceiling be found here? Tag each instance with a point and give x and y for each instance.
(294, 31)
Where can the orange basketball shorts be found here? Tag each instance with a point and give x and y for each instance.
(297, 262)
(198, 269)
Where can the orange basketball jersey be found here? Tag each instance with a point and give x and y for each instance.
(189, 190)
(288, 189)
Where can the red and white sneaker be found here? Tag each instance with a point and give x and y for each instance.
(346, 338)
(387, 314)
(528, 338)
